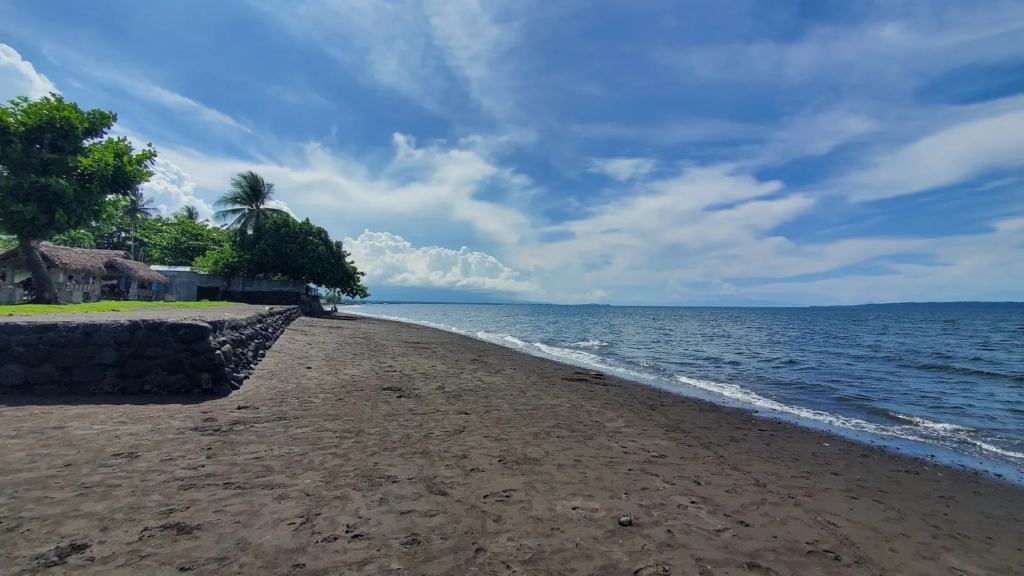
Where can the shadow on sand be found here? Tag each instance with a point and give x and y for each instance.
(16, 400)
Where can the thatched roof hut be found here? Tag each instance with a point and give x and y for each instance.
(135, 270)
(84, 261)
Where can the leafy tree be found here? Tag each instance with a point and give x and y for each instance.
(287, 249)
(187, 212)
(57, 166)
(301, 251)
(75, 239)
(224, 261)
(179, 241)
(244, 207)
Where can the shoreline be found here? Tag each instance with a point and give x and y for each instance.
(370, 446)
(912, 448)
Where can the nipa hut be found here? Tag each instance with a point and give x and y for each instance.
(84, 275)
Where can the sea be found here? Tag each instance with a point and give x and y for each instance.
(942, 381)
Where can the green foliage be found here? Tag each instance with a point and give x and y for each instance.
(114, 229)
(8, 242)
(187, 212)
(178, 242)
(286, 249)
(57, 166)
(154, 240)
(244, 206)
(223, 261)
(75, 239)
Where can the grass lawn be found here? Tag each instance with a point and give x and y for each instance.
(102, 306)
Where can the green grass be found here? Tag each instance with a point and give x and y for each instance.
(103, 306)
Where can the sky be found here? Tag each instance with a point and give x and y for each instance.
(608, 151)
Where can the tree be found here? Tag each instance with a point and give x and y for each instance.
(224, 260)
(57, 166)
(286, 249)
(179, 241)
(301, 251)
(187, 212)
(75, 239)
(136, 208)
(245, 206)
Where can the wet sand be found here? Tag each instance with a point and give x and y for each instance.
(367, 447)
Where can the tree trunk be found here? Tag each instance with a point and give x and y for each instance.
(45, 290)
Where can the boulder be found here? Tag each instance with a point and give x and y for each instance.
(12, 375)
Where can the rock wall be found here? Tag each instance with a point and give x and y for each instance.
(136, 357)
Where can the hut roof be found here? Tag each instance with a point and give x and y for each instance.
(136, 270)
(95, 262)
(74, 260)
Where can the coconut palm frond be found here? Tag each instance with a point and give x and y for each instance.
(244, 205)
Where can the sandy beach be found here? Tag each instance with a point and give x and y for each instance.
(368, 447)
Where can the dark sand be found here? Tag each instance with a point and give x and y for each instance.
(368, 447)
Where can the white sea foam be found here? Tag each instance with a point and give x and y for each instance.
(919, 429)
(447, 328)
(931, 424)
(589, 344)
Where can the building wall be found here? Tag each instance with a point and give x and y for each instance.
(185, 285)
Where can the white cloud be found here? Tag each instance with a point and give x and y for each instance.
(390, 259)
(621, 169)
(668, 229)
(430, 182)
(475, 45)
(701, 207)
(688, 131)
(811, 134)
(176, 101)
(962, 267)
(282, 205)
(896, 48)
(171, 188)
(719, 287)
(949, 156)
(429, 51)
(18, 77)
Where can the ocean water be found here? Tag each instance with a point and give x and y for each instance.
(938, 380)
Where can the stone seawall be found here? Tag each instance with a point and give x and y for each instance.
(137, 356)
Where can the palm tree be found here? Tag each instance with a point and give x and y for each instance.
(137, 206)
(188, 212)
(244, 206)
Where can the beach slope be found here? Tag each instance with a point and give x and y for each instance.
(368, 447)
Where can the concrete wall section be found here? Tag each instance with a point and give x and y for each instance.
(136, 357)
(189, 286)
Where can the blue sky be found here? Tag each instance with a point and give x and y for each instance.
(647, 152)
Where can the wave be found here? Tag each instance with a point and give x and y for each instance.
(446, 327)
(960, 370)
(589, 344)
(917, 429)
(501, 339)
(930, 424)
